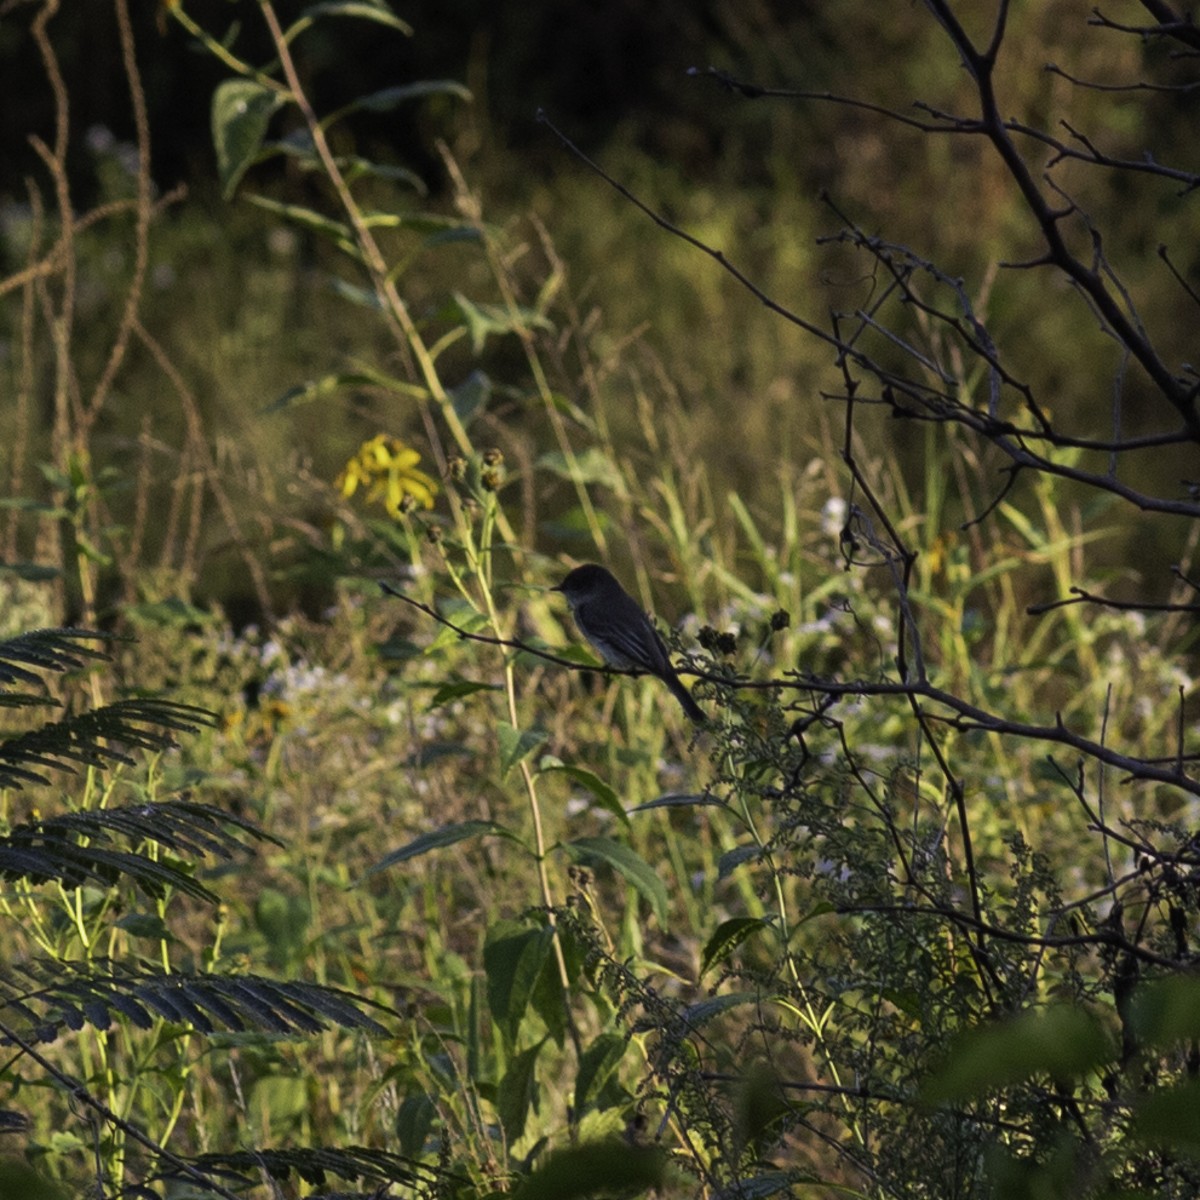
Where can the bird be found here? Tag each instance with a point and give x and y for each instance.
(620, 632)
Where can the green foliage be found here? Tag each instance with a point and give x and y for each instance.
(86, 888)
(913, 915)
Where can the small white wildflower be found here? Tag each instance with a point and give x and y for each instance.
(833, 517)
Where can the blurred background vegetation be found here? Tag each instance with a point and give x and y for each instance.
(242, 302)
(200, 372)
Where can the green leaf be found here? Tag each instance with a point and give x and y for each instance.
(367, 10)
(145, 925)
(513, 959)
(727, 937)
(173, 612)
(456, 689)
(596, 1066)
(241, 111)
(1166, 1011)
(769, 1183)
(1063, 1042)
(20, 1179)
(30, 572)
(309, 218)
(392, 97)
(732, 859)
(439, 839)
(465, 618)
(1170, 1117)
(471, 396)
(356, 167)
(44, 995)
(316, 389)
(705, 1010)
(759, 1108)
(516, 744)
(632, 866)
(575, 525)
(548, 998)
(517, 1092)
(484, 320)
(283, 921)
(94, 738)
(414, 1120)
(680, 800)
(596, 1169)
(363, 297)
(606, 797)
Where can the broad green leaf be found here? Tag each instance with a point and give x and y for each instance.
(759, 1107)
(414, 1120)
(20, 1179)
(604, 794)
(596, 1066)
(1063, 1042)
(513, 959)
(727, 937)
(439, 839)
(611, 1168)
(517, 1092)
(548, 998)
(632, 866)
(241, 112)
(1167, 1011)
(1170, 1117)
(516, 744)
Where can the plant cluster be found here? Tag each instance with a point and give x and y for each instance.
(913, 914)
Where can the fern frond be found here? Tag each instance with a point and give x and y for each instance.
(77, 848)
(47, 650)
(97, 738)
(315, 1164)
(12, 1121)
(41, 996)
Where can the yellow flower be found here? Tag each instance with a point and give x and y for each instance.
(387, 468)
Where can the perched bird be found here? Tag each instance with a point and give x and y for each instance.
(613, 622)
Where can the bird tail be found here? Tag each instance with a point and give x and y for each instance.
(679, 691)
